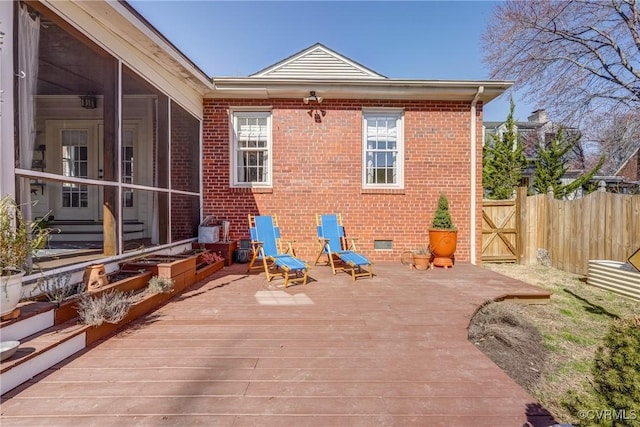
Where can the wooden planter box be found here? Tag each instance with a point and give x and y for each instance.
(146, 304)
(204, 270)
(184, 274)
(135, 281)
(226, 249)
(181, 269)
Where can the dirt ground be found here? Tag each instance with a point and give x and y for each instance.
(512, 342)
(548, 349)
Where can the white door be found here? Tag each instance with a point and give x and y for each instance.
(73, 149)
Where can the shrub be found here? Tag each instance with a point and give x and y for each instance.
(160, 285)
(56, 288)
(442, 217)
(19, 239)
(615, 392)
(111, 307)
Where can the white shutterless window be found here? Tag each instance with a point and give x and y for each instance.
(75, 163)
(383, 149)
(251, 152)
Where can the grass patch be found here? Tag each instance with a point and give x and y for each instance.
(567, 312)
(573, 325)
(577, 339)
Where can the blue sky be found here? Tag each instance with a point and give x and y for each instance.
(430, 40)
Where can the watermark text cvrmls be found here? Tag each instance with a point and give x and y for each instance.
(608, 414)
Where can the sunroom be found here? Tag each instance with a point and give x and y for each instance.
(103, 137)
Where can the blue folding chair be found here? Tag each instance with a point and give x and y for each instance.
(340, 255)
(267, 247)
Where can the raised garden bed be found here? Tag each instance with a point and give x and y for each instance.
(181, 269)
(614, 276)
(125, 281)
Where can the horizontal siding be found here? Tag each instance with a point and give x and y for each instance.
(319, 64)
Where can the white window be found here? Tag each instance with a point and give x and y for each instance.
(383, 149)
(251, 156)
(75, 162)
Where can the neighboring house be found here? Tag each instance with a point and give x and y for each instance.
(630, 170)
(129, 144)
(536, 130)
(625, 177)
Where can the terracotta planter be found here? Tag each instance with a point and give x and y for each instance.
(10, 292)
(442, 244)
(421, 261)
(95, 277)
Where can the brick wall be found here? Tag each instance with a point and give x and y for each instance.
(631, 170)
(317, 168)
(184, 150)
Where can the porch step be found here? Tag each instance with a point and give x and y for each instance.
(43, 343)
(41, 351)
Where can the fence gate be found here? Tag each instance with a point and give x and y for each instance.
(500, 227)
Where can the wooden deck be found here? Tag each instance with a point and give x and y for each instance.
(235, 350)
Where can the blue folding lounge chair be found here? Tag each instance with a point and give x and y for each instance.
(267, 247)
(340, 256)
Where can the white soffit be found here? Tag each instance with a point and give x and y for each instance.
(116, 29)
(436, 90)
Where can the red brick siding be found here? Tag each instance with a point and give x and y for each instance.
(631, 170)
(317, 168)
(184, 150)
(184, 216)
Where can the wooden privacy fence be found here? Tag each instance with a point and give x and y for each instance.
(598, 226)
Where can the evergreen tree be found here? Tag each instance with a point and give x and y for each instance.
(503, 161)
(614, 392)
(551, 166)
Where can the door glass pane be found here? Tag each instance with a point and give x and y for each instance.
(74, 164)
(127, 167)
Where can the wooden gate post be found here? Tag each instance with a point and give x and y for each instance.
(521, 200)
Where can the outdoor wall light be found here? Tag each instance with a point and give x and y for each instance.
(312, 98)
(88, 101)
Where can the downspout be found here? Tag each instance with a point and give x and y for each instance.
(473, 145)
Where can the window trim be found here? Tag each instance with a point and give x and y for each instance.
(235, 112)
(398, 113)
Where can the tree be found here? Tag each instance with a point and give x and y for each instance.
(615, 388)
(551, 166)
(573, 57)
(617, 135)
(503, 161)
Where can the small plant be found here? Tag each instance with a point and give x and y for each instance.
(616, 378)
(111, 307)
(160, 285)
(442, 217)
(56, 288)
(211, 257)
(19, 239)
(421, 250)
